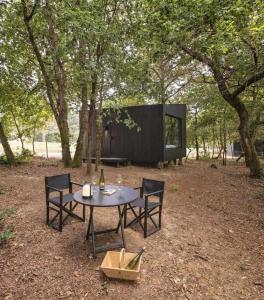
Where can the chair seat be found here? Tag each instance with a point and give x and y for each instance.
(65, 199)
(140, 202)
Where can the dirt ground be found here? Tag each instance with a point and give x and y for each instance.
(210, 246)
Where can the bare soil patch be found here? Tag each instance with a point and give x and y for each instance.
(210, 246)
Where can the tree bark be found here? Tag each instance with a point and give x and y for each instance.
(20, 135)
(196, 137)
(99, 128)
(89, 139)
(8, 151)
(83, 116)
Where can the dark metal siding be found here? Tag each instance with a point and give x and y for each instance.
(146, 145)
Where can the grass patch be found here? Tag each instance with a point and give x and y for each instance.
(174, 189)
(5, 233)
(2, 191)
(260, 194)
(23, 157)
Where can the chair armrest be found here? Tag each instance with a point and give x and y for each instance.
(54, 189)
(76, 183)
(140, 188)
(154, 193)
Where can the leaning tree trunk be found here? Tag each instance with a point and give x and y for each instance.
(8, 151)
(19, 133)
(247, 142)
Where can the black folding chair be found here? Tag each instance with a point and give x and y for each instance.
(63, 202)
(147, 209)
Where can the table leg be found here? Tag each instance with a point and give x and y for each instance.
(121, 224)
(90, 231)
(89, 226)
(123, 217)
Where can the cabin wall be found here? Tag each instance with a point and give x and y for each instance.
(145, 145)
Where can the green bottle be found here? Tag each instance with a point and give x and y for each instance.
(134, 261)
(102, 181)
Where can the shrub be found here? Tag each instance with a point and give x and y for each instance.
(5, 236)
(5, 233)
(3, 160)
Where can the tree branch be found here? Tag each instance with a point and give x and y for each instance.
(30, 16)
(254, 78)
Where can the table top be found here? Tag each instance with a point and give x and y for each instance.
(123, 195)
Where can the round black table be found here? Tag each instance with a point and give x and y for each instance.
(121, 197)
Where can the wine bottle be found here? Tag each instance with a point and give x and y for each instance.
(134, 261)
(102, 180)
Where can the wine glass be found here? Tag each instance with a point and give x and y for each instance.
(94, 181)
(119, 180)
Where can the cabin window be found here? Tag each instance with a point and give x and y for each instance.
(173, 132)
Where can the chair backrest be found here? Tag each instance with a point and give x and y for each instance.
(151, 185)
(61, 182)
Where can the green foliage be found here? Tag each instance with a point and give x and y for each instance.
(20, 158)
(173, 189)
(5, 233)
(53, 137)
(24, 157)
(2, 190)
(3, 160)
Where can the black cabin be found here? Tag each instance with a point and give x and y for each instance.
(259, 145)
(158, 135)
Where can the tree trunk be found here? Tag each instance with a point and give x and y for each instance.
(19, 133)
(33, 141)
(204, 146)
(47, 149)
(8, 151)
(83, 117)
(196, 137)
(89, 140)
(187, 156)
(213, 147)
(78, 156)
(65, 139)
(99, 130)
(251, 158)
(224, 138)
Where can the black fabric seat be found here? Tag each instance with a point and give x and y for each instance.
(147, 209)
(66, 199)
(140, 202)
(64, 203)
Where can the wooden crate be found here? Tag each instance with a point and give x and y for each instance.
(114, 264)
